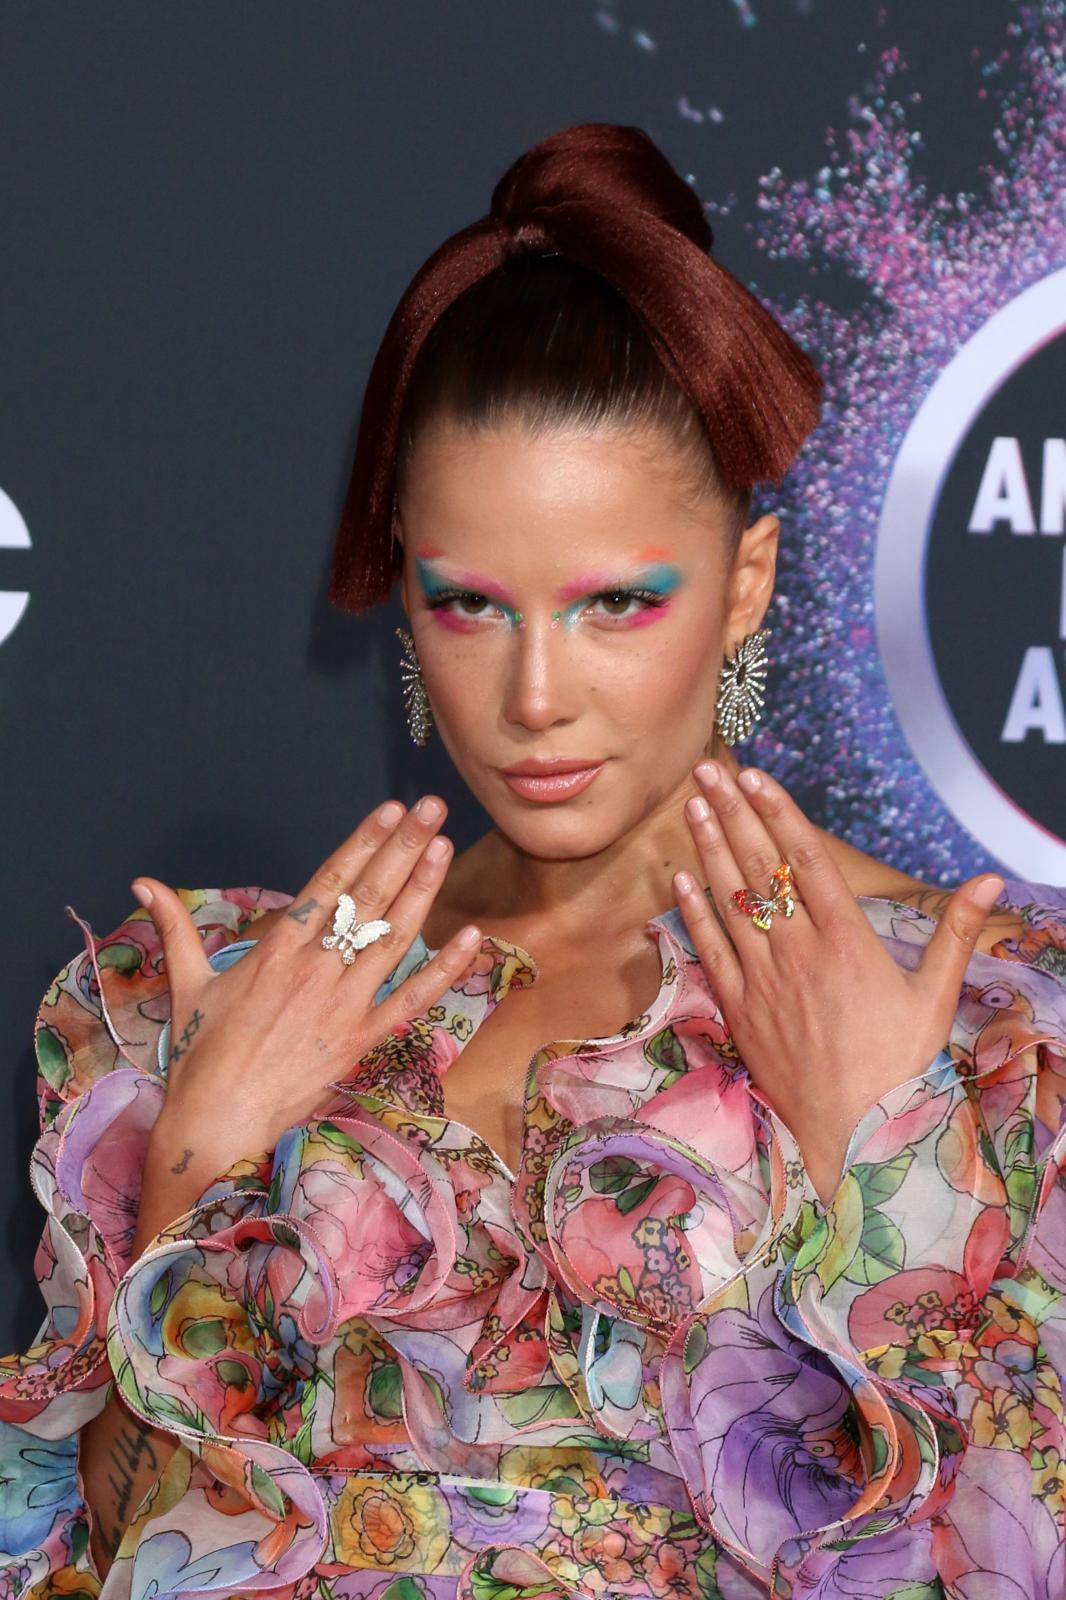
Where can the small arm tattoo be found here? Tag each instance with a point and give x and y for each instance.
(132, 1454)
(930, 902)
(191, 1028)
(300, 914)
(183, 1164)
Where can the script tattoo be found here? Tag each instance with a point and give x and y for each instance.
(183, 1164)
(300, 914)
(132, 1454)
(930, 902)
(191, 1028)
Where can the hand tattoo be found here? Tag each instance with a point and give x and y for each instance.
(191, 1028)
(300, 914)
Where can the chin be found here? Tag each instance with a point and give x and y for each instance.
(565, 832)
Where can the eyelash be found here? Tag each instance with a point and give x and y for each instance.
(651, 598)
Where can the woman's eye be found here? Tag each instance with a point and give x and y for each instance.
(619, 598)
(624, 603)
(463, 602)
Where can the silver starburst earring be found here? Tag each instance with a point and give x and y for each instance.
(740, 688)
(415, 699)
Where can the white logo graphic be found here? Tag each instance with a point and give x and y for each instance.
(14, 535)
(1007, 341)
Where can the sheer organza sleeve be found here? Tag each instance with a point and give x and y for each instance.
(864, 1398)
(97, 1039)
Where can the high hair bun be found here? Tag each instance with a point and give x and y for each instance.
(609, 168)
(605, 198)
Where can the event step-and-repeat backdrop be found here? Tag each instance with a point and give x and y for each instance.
(209, 214)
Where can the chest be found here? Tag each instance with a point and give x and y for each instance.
(593, 997)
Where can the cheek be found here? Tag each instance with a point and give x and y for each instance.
(664, 689)
(460, 681)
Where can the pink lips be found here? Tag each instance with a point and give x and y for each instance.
(553, 785)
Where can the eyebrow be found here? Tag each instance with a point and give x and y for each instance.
(656, 569)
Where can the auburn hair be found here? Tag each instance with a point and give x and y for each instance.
(587, 294)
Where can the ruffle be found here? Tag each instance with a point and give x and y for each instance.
(376, 1216)
(660, 1274)
(825, 1419)
(212, 1332)
(94, 1038)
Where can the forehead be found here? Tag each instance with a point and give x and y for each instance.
(606, 486)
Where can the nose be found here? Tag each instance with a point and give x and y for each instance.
(541, 687)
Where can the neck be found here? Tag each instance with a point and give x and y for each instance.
(622, 885)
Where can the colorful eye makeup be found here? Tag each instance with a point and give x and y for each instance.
(647, 592)
(441, 593)
(655, 586)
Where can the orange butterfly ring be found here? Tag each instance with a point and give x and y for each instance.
(761, 910)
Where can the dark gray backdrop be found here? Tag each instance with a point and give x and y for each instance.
(209, 212)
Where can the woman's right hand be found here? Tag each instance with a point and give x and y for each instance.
(254, 1048)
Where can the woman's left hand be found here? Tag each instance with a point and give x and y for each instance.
(826, 1022)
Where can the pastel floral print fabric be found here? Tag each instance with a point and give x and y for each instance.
(649, 1363)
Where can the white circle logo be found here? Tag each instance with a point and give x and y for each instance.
(970, 584)
(14, 535)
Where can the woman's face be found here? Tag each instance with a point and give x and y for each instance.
(567, 601)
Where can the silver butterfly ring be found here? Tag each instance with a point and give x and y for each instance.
(349, 934)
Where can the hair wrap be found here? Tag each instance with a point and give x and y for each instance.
(605, 197)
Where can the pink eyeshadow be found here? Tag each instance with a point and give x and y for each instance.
(453, 621)
(643, 619)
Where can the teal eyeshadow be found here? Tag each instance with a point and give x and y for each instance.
(663, 579)
(433, 585)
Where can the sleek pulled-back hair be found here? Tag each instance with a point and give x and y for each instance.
(585, 297)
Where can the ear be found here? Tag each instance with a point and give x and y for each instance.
(751, 584)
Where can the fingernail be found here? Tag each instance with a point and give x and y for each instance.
(469, 936)
(428, 810)
(684, 883)
(437, 849)
(142, 893)
(707, 772)
(987, 893)
(750, 780)
(390, 814)
(698, 809)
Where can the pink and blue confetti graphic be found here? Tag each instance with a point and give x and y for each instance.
(928, 269)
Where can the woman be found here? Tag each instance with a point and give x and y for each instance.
(759, 1291)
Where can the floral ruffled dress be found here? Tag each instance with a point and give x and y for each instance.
(650, 1363)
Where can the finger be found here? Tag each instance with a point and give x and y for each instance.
(424, 988)
(313, 908)
(710, 941)
(756, 852)
(946, 956)
(406, 915)
(384, 874)
(723, 878)
(183, 951)
(820, 884)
